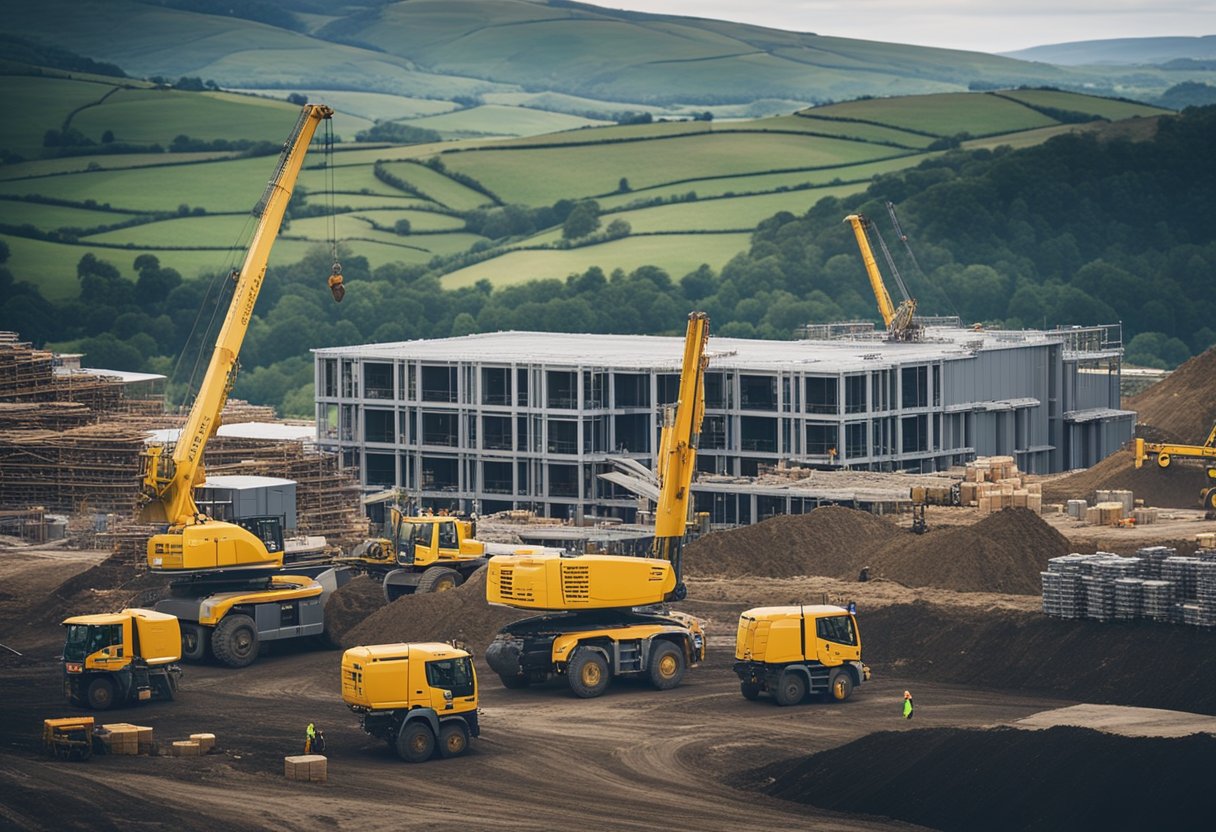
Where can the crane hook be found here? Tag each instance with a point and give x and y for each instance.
(335, 283)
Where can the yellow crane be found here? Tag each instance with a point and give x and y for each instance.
(595, 629)
(1165, 452)
(227, 593)
(899, 320)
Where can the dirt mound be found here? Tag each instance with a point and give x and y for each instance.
(461, 613)
(952, 778)
(1074, 659)
(1004, 552)
(349, 605)
(1175, 487)
(830, 541)
(115, 583)
(1182, 407)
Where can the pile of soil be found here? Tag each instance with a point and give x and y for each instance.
(1175, 487)
(459, 614)
(1004, 552)
(830, 541)
(1002, 649)
(1182, 407)
(349, 605)
(115, 583)
(1005, 778)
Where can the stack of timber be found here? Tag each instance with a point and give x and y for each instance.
(993, 483)
(90, 468)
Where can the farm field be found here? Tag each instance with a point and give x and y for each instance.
(500, 120)
(759, 167)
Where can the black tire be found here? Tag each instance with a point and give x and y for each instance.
(100, 694)
(515, 682)
(1209, 499)
(439, 579)
(791, 688)
(165, 687)
(587, 673)
(416, 742)
(667, 665)
(453, 739)
(750, 690)
(840, 688)
(194, 642)
(234, 641)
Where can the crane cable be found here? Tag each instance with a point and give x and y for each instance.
(912, 256)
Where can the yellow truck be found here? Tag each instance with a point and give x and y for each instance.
(795, 650)
(121, 658)
(418, 698)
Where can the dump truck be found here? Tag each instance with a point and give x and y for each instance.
(418, 697)
(791, 651)
(121, 658)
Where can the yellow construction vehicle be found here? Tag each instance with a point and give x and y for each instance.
(426, 553)
(792, 651)
(1165, 452)
(899, 320)
(597, 626)
(229, 595)
(121, 658)
(418, 698)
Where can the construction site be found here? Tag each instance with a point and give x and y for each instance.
(1080, 705)
(201, 629)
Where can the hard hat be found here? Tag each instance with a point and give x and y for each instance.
(907, 694)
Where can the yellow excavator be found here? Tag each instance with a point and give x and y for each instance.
(228, 592)
(1165, 452)
(606, 615)
(899, 320)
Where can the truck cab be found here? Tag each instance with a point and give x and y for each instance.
(417, 697)
(795, 650)
(424, 553)
(121, 658)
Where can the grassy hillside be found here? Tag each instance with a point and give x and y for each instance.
(1122, 51)
(690, 186)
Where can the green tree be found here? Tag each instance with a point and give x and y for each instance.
(584, 218)
(402, 227)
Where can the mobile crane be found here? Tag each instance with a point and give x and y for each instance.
(228, 593)
(606, 614)
(1165, 452)
(899, 320)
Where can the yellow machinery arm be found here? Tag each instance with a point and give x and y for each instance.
(168, 484)
(553, 582)
(898, 320)
(1164, 452)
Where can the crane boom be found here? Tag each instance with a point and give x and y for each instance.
(589, 582)
(898, 320)
(168, 484)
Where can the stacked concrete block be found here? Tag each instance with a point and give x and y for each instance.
(1144, 516)
(1152, 556)
(1158, 601)
(1076, 508)
(313, 768)
(1129, 598)
(1123, 498)
(1182, 571)
(206, 742)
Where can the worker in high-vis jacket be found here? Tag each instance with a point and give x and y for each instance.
(907, 704)
(310, 737)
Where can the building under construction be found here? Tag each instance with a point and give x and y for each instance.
(530, 420)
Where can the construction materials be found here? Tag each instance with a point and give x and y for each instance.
(69, 738)
(993, 483)
(308, 768)
(206, 742)
(1156, 585)
(790, 652)
(419, 698)
(121, 658)
(186, 748)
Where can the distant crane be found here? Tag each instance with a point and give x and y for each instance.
(899, 320)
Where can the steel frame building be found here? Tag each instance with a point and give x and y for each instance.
(528, 420)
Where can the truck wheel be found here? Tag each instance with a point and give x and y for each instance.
(194, 642)
(234, 641)
(515, 682)
(100, 694)
(666, 665)
(750, 690)
(165, 687)
(841, 686)
(438, 579)
(415, 743)
(453, 739)
(791, 688)
(587, 673)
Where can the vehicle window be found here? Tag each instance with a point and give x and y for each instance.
(447, 536)
(455, 675)
(837, 628)
(424, 534)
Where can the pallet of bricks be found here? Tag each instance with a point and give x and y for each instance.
(1157, 584)
(992, 483)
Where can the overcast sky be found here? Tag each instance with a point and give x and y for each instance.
(981, 25)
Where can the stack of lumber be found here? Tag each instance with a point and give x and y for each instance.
(89, 468)
(312, 768)
(994, 483)
(125, 738)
